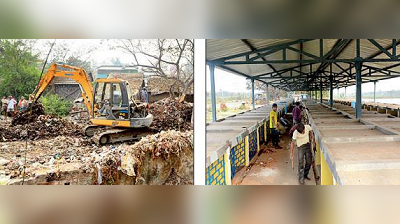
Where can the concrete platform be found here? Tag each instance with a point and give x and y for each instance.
(228, 131)
(350, 133)
(365, 151)
(338, 123)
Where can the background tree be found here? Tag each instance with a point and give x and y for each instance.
(66, 52)
(263, 87)
(19, 68)
(171, 59)
(116, 62)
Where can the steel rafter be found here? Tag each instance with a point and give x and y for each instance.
(295, 76)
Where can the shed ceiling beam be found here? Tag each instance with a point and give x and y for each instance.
(335, 51)
(252, 48)
(261, 50)
(312, 61)
(233, 71)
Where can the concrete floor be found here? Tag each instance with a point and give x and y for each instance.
(272, 167)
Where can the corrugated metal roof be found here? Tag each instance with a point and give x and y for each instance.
(217, 49)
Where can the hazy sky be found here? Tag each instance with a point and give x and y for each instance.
(100, 56)
(227, 81)
(235, 83)
(384, 85)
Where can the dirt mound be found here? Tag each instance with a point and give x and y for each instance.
(170, 114)
(163, 158)
(43, 126)
(28, 116)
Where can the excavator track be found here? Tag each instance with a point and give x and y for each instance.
(115, 135)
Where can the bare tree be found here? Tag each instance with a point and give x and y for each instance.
(65, 51)
(171, 59)
(263, 87)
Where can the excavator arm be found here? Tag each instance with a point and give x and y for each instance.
(77, 74)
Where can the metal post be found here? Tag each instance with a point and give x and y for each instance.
(213, 100)
(252, 94)
(374, 91)
(331, 92)
(358, 65)
(316, 92)
(267, 95)
(331, 87)
(345, 90)
(320, 91)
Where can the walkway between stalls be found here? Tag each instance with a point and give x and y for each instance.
(272, 167)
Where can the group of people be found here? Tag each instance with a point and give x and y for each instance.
(273, 122)
(302, 137)
(9, 105)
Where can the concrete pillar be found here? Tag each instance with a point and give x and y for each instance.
(213, 100)
(252, 94)
(345, 90)
(267, 96)
(374, 91)
(358, 65)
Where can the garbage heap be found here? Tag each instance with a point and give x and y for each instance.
(170, 114)
(40, 127)
(165, 158)
(44, 157)
(28, 116)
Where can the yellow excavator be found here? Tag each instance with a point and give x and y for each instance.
(115, 115)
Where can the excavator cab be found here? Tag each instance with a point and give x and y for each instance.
(115, 106)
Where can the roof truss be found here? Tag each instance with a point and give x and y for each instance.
(297, 78)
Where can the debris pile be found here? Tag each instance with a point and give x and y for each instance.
(170, 114)
(28, 116)
(43, 126)
(41, 155)
(163, 158)
(60, 153)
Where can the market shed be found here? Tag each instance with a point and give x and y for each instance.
(347, 138)
(306, 64)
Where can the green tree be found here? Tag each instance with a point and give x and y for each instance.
(56, 105)
(19, 73)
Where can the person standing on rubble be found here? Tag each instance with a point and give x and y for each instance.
(30, 100)
(4, 104)
(273, 125)
(11, 106)
(301, 136)
(22, 104)
(144, 95)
